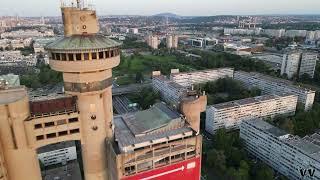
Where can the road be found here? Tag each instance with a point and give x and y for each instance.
(129, 89)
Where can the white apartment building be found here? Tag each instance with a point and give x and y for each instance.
(231, 31)
(272, 85)
(296, 33)
(290, 64)
(274, 32)
(171, 92)
(197, 77)
(59, 153)
(308, 64)
(296, 158)
(230, 115)
(299, 63)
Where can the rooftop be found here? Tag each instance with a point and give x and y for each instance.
(57, 146)
(150, 125)
(82, 42)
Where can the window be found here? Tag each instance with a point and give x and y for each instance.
(101, 55)
(52, 135)
(73, 120)
(86, 56)
(49, 124)
(94, 55)
(63, 133)
(107, 54)
(37, 126)
(41, 137)
(63, 57)
(70, 57)
(58, 57)
(61, 122)
(112, 53)
(78, 57)
(53, 56)
(74, 131)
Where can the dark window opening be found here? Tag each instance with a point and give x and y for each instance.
(63, 133)
(38, 126)
(100, 55)
(112, 53)
(95, 128)
(74, 131)
(93, 117)
(41, 137)
(52, 135)
(73, 120)
(53, 56)
(78, 57)
(58, 57)
(71, 57)
(49, 124)
(63, 57)
(107, 54)
(94, 55)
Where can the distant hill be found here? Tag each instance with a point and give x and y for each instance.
(170, 15)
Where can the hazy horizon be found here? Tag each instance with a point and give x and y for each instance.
(180, 7)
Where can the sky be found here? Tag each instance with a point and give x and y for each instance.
(180, 7)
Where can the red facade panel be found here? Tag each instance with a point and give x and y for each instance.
(186, 170)
(53, 106)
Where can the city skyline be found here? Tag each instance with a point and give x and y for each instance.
(180, 7)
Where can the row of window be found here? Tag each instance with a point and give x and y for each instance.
(59, 122)
(54, 135)
(84, 56)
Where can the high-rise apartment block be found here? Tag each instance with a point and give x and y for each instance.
(153, 41)
(230, 115)
(296, 158)
(172, 41)
(197, 77)
(297, 64)
(272, 85)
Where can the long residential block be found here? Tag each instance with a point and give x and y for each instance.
(296, 158)
(231, 114)
(197, 77)
(272, 85)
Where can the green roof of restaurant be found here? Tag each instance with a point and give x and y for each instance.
(82, 42)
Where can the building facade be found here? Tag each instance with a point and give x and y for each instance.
(198, 77)
(272, 85)
(60, 153)
(231, 114)
(298, 64)
(170, 92)
(296, 158)
(153, 41)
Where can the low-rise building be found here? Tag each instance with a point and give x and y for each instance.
(230, 115)
(272, 85)
(188, 79)
(296, 158)
(60, 153)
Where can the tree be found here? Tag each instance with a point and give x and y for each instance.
(217, 160)
(139, 77)
(243, 171)
(262, 172)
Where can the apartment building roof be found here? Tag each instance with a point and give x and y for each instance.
(248, 101)
(308, 145)
(275, 80)
(47, 93)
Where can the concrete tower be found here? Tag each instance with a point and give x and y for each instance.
(86, 60)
